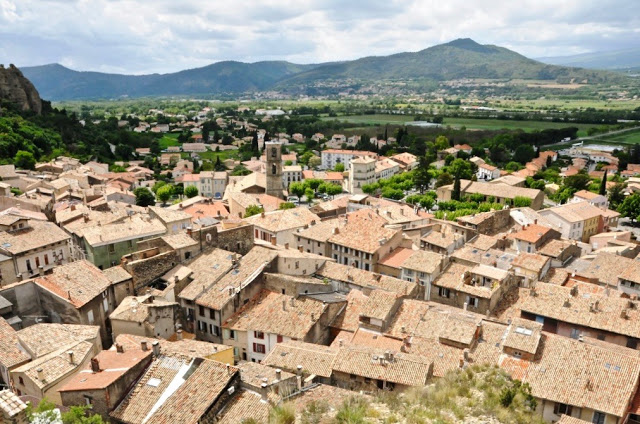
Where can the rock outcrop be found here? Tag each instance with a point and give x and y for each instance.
(19, 90)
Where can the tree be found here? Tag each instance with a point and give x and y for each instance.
(191, 191)
(521, 202)
(370, 188)
(308, 193)
(157, 186)
(339, 167)
(444, 179)
(603, 185)
(286, 205)
(24, 160)
(253, 210)
(616, 196)
(313, 183)
(154, 148)
(240, 170)
(577, 182)
(314, 162)
(455, 194)
(333, 189)
(630, 208)
(442, 143)
(164, 193)
(219, 166)
(46, 412)
(524, 153)
(144, 197)
(297, 188)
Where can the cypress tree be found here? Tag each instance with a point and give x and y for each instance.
(455, 195)
(603, 184)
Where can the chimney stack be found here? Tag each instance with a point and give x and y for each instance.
(262, 214)
(464, 306)
(143, 346)
(284, 305)
(95, 365)
(179, 334)
(40, 374)
(299, 369)
(70, 353)
(278, 374)
(264, 392)
(286, 245)
(300, 248)
(273, 241)
(41, 271)
(156, 348)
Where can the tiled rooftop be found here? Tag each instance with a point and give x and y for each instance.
(57, 335)
(37, 235)
(78, 282)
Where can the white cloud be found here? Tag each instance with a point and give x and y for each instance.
(136, 36)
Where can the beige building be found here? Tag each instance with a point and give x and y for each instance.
(281, 225)
(145, 316)
(496, 192)
(362, 170)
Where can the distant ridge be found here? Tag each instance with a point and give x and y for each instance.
(609, 60)
(461, 58)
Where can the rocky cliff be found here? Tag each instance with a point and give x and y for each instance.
(19, 90)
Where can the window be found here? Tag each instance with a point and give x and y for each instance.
(46, 259)
(444, 292)
(105, 304)
(232, 334)
(90, 317)
(87, 400)
(575, 333)
(201, 310)
(472, 301)
(37, 262)
(259, 348)
(21, 380)
(212, 314)
(598, 417)
(561, 409)
(258, 334)
(28, 265)
(601, 337)
(279, 339)
(352, 376)
(111, 248)
(517, 354)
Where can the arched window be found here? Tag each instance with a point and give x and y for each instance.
(273, 169)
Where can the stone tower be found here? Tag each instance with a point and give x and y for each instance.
(273, 152)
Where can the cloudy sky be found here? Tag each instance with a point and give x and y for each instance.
(145, 36)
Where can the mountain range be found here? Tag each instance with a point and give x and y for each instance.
(627, 59)
(462, 58)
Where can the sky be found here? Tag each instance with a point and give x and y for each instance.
(148, 36)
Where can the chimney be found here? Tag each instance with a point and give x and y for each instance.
(535, 221)
(300, 248)
(70, 353)
(278, 374)
(229, 369)
(41, 270)
(336, 230)
(286, 245)
(95, 365)
(464, 306)
(156, 348)
(40, 374)
(581, 338)
(299, 369)
(120, 348)
(262, 214)
(264, 392)
(273, 241)
(179, 334)
(313, 316)
(143, 346)
(230, 291)
(284, 305)
(340, 343)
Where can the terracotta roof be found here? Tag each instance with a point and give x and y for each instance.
(532, 233)
(116, 274)
(112, 366)
(129, 229)
(56, 365)
(365, 279)
(524, 335)
(443, 240)
(266, 313)
(396, 257)
(189, 403)
(608, 267)
(10, 352)
(139, 308)
(207, 269)
(572, 306)
(566, 419)
(10, 404)
(405, 369)
(179, 240)
(254, 374)
(575, 212)
(185, 348)
(243, 406)
(283, 220)
(349, 318)
(379, 305)
(531, 261)
(315, 359)
(57, 335)
(77, 282)
(248, 268)
(554, 248)
(37, 235)
(201, 210)
(424, 261)
(322, 231)
(581, 374)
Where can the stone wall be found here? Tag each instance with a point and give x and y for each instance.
(146, 271)
(238, 239)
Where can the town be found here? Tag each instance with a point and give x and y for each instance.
(182, 286)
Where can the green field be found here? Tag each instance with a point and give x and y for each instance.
(169, 140)
(630, 137)
(469, 123)
(212, 156)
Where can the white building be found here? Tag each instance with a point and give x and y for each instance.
(362, 171)
(332, 157)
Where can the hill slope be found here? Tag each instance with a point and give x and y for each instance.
(616, 59)
(56, 82)
(462, 58)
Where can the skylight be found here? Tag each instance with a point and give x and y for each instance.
(524, 331)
